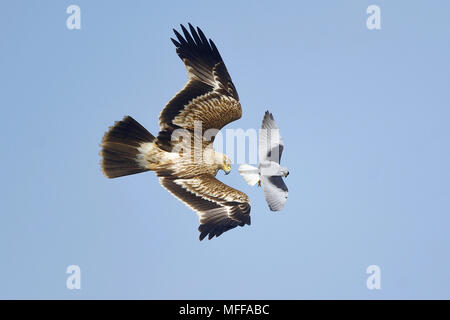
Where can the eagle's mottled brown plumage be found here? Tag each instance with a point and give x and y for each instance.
(209, 97)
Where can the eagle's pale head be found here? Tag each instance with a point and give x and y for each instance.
(223, 162)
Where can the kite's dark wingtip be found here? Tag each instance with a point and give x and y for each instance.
(268, 114)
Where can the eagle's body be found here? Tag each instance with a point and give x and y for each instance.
(154, 158)
(182, 154)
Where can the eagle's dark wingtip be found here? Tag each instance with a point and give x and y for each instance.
(185, 32)
(194, 34)
(183, 28)
(180, 37)
(175, 42)
(202, 36)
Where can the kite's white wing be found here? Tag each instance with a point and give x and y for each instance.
(270, 143)
(275, 191)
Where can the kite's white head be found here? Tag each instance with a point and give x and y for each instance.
(284, 171)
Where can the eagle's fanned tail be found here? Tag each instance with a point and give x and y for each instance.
(121, 148)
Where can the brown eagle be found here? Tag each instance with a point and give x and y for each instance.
(186, 163)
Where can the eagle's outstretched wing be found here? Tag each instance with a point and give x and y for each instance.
(219, 207)
(209, 95)
(270, 142)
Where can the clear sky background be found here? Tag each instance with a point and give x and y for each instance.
(364, 116)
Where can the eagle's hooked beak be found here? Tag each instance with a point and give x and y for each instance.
(226, 169)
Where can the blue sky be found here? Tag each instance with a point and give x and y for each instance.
(364, 116)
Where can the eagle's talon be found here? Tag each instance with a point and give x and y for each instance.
(259, 183)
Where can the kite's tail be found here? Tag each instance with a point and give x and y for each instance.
(249, 173)
(124, 147)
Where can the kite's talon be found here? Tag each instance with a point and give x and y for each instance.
(259, 183)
